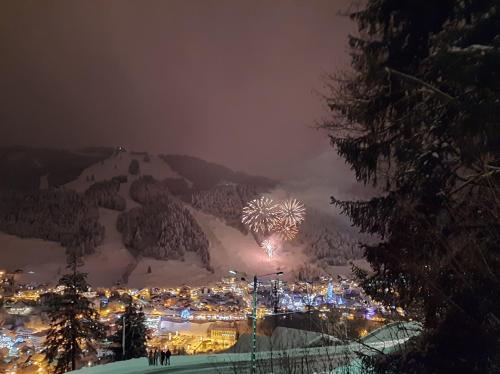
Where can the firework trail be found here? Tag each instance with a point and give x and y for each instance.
(268, 247)
(291, 212)
(260, 215)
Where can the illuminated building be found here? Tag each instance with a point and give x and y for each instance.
(186, 313)
(223, 333)
(329, 293)
(19, 308)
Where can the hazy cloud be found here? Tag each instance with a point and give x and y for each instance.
(229, 81)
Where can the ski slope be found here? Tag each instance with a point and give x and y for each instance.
(112, 263)
(41, 261)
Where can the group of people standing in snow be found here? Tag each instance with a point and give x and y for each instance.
(158, 357)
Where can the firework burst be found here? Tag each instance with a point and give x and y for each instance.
(260, 215)
(286, 231)
(292, 212)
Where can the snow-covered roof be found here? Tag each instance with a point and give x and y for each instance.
(283, 338)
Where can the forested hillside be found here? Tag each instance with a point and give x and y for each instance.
(162, 227)
(62, 216)
(225, 201)
(143, 207)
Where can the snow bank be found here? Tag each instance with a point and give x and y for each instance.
(40, 260)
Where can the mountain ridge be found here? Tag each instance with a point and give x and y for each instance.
(174, 212)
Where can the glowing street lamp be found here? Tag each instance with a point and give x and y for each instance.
(254, 311)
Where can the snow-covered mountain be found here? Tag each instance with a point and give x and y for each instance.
(145, 220)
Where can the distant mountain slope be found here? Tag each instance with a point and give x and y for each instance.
(205, 175)
(118, 164)
(226, 202)
(62, 216)
(327, 245)
(22, 167)
(161, 219)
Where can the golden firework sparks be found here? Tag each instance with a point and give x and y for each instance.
(291, 212)
(286, 231)
(260, 215)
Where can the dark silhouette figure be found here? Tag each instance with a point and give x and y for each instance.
(157, 356)
(162, 358)
(150, 358)
(168, 354)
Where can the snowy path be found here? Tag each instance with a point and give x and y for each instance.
(107, 265)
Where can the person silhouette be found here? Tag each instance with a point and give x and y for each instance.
(167, 356)
(150, 357)
(157, 356)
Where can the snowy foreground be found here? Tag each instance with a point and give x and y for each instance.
(334, 359)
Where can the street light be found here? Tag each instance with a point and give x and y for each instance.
(254, 311)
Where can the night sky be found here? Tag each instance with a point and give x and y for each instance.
(231, 81)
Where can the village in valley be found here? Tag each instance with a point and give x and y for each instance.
(190, 320)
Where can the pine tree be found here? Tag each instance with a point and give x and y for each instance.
(418, 119)
(138, 237)
(134, 167)
(136, 334)
(74, 324)
(163, 240)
